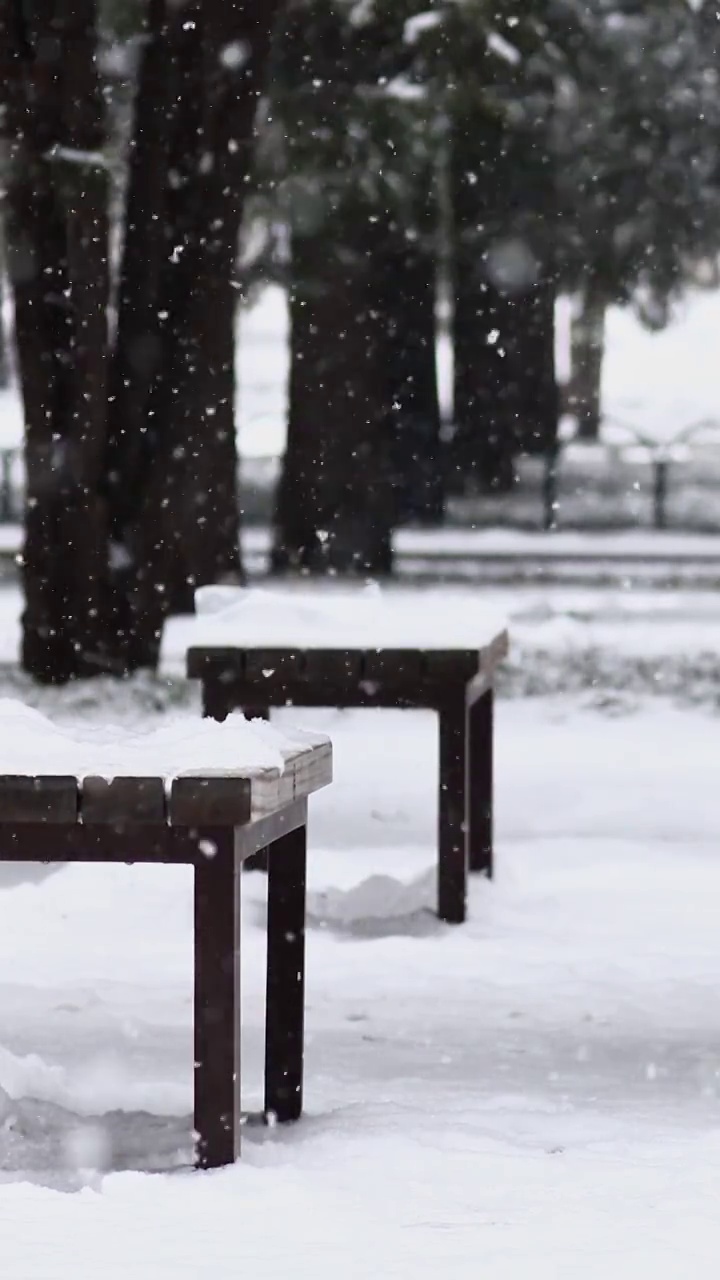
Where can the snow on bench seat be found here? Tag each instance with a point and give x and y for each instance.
(339, 618)
(187, 770)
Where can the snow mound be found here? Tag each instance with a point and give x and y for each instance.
(339, 618)
(32, 744)
(378, 906)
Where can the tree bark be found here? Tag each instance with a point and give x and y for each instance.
(132, 496)
(5, 340)
(335, 507)
(485, 420)
(505, 391)
(407, 269)
(57, 252)
(587, 346)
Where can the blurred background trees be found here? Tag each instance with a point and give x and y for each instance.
(409, 171)
(124, 309)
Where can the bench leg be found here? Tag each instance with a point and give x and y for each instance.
(452, 824)
(257, 861)
(217, 1001)
(215, 703)
(480, 784)
(285, 1007)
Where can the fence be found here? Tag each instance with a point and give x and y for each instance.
(629, 480)
(673, 482)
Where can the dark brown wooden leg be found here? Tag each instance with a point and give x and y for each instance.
(257, 861)
(215, 700)
(480, 784)
(452, 824)
(217, 1000)
(285, 1012)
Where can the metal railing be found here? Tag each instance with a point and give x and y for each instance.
(538, 500)
(659, 455)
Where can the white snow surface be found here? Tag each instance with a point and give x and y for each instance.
(548, 625)
(31, 743)
(536, 1093)
(340, 618)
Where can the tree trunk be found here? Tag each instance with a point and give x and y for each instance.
(407, 269)
(335, 504)
(179, 534)
(57, 252)
(531, 360)
(587, 346)
(132, 499)
(485, 422)
(5, 340)
(506, 398)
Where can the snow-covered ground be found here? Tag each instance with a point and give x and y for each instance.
(659, 383)
(536, 1093)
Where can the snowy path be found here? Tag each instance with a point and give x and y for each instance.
(535, 1094)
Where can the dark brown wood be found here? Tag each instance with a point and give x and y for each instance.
(216, 700)
(256, 713)
(217, 1000)
(123, 801)
(456, 665)
(40, 841)
(447, 681)
(268, 666)
(210, 801)
(231, 695)
(452, 815)
(98, 832)
(263, 832)
(392, 666)
(333, 666)
(42, 799)
(221, 662)
(285, 976)
(256, 861)
(480, 784)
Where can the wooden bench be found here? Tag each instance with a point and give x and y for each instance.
(211, 823)
(457, 683)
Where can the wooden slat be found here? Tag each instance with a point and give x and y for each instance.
(311, 770)
(303, 773)
(392, 666)
(333, 667)
(225, 660)
(220, 800)
(270, 790)
(256, 836)
(123, 800)
(274, 666)
(493, 654)
(42, 799)
(101, 842)
(450, 665)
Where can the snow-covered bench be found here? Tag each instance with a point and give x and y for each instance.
(200, 793)
(254, 649)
